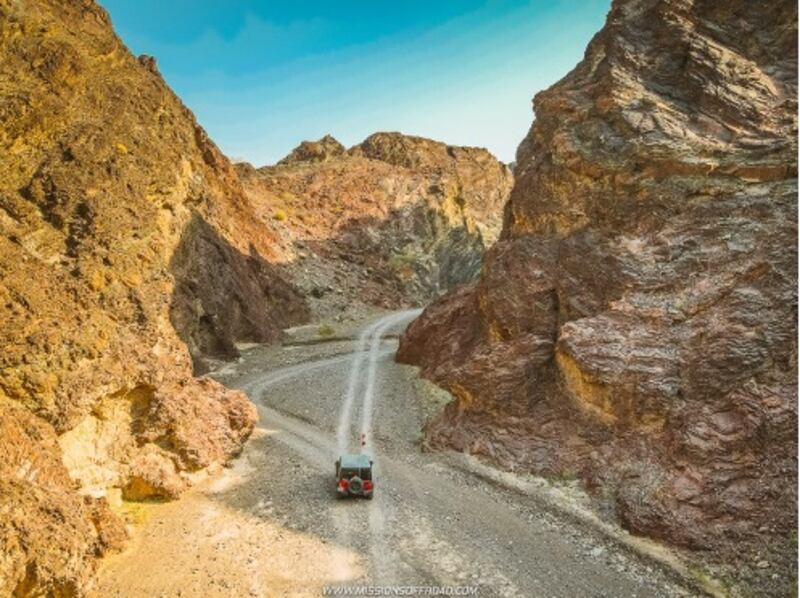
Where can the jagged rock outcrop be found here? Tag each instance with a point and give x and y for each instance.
(392, 221)
(315, 151)
(636, 324)
(119, 222)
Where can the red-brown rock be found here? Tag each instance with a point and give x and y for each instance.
(49, 535)
(636, 323)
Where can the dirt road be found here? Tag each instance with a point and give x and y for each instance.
(272, 526)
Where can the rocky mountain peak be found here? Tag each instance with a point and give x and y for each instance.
(672, 95)
(398, 218)
(321, 150)
(416, 152)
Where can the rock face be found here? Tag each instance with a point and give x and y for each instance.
(395, 220)
(48, 532)
(224, 295)
(636, 324)
(121, 229)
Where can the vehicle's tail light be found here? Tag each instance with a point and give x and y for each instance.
(343, 484)
(367, 485)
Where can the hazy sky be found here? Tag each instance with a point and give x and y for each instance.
(263, 76)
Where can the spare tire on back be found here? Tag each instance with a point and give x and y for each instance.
(355, 485)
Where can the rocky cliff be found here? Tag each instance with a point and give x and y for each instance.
(125, 237)
(636, 325)
(393, 221)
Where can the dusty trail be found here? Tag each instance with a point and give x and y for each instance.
(272, 525)
(353, 384)
(374, 334)
(382, 326)
(381, 557)
(363, 377)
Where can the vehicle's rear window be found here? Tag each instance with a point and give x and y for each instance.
(346, 472)
(366, 474)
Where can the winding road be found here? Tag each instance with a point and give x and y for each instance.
(271, 525)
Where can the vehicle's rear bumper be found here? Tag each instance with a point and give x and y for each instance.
(364, 493)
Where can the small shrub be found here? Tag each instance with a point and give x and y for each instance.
(326, 330)
(564, 477)
(280, 215)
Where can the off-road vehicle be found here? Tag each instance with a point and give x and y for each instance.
(354, 476)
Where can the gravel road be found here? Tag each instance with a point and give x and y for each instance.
(272, 524)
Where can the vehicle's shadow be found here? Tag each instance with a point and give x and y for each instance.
(279, 486)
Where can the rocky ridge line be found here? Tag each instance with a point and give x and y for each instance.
(393, 221)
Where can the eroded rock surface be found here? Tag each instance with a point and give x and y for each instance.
(636, 324)
(49, 534)
(119, 223)
(393, 221)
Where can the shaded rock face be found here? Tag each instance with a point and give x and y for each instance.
(636, 323)
(106, 182)
(396, 219)
(222, 295)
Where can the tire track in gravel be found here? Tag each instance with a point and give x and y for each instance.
(354, 381)
(368, 398)
(381, 557)
(316, 449)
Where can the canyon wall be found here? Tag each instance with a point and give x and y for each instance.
(122, 230)
(635, 326)
(393, 221)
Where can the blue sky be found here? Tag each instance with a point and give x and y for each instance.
(263, 76)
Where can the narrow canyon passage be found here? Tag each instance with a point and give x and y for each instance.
(599, 397)
(272, 525)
